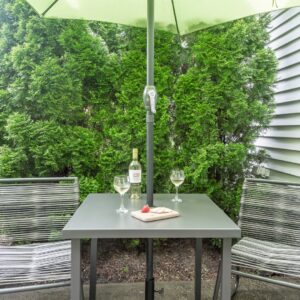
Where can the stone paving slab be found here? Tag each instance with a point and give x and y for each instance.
(176, 290)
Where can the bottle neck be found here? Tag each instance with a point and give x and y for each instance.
(135, 154)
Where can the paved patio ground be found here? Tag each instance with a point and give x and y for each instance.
(176, 290)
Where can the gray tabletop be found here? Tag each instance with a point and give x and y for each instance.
(199, 217)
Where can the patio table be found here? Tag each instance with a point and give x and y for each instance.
(199, 218)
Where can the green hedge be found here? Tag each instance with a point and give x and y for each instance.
(71, 101)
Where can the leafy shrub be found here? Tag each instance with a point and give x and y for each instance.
(71, 101)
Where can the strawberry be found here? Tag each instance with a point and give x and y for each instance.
(145, 208)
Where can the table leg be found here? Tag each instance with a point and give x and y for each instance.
(226, 270)
(75, 270)
(198, 266)
(93, 269)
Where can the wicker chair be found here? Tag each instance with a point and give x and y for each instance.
(270, 223)
(33, 212)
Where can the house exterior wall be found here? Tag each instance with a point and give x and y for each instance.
(282, 139)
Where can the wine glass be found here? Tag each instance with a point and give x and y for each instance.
(177, 178)
(122, 185)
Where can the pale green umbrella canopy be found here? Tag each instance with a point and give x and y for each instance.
(177, 16)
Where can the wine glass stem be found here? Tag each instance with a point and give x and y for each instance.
(176, 196)
(122, 202)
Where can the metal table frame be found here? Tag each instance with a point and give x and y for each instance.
(164, 229)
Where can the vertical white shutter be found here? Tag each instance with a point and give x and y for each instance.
(282, 139)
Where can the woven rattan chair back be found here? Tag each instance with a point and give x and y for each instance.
(36, 209)
(270, 211)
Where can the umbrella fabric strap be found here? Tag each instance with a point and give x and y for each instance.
(149, 118)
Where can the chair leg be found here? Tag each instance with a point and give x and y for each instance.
(93, 269)
(218, 282)
(236, 284)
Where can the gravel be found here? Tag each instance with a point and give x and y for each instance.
(173, 260)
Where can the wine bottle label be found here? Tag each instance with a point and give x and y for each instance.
(135, 176)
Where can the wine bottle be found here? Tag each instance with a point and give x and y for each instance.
(135, 176)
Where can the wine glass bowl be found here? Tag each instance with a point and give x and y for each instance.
(121, 185)
(177, 178)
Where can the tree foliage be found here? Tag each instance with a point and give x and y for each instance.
(226, 94)
(71, 101)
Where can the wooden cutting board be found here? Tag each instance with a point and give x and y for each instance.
(152, 216)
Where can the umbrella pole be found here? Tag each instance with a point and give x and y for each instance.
(149, 113)
(149, 286)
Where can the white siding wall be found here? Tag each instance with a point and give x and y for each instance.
(282, 139)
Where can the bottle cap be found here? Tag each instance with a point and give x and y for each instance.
(135, 153)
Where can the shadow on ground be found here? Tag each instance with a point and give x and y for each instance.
(176, 290)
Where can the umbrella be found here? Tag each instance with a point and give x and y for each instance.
(177, 16)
